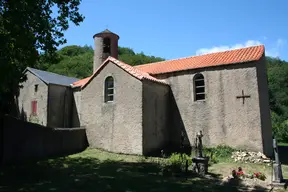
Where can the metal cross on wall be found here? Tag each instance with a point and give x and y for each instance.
(243, 96)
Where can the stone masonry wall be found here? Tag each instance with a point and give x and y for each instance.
(76, 107)
(27, 94)
(99, 56)
(59, 106)
(222, 118)
(266, 123)
(155, 117)
(24, 141)
(115, 126)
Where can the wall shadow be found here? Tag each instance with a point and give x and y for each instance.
(90, 174)
(178, 137)
(24, 142)
(23, 115)
(75, 113)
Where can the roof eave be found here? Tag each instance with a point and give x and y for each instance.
(157, 82)
(96, 72)
(75, 86)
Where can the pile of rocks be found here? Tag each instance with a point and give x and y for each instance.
(251, 157)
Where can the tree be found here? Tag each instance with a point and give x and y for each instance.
(77, 61)
(278, 93)
(27, 28)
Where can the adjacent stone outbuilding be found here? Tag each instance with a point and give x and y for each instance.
(46, 98)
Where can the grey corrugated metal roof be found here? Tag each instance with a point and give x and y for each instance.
(53, 78)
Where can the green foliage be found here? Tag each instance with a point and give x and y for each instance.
(218, 153)
(26, 28)
(176, 163)
(34, 119)
(133, 59)
(278, 94)
(77, 61)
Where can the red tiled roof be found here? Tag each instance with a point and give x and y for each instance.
(209, 60)
(128, 68)
(81, 82)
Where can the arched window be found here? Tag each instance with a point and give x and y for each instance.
(107, 45)
(109, 89)
(199, 87)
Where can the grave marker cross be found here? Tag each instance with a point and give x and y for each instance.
(243, 96)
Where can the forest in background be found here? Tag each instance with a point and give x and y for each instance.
(77, 61)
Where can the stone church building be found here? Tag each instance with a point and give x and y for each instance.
(146, 108)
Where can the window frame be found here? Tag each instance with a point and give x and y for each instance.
(107, 88)
(199, 77)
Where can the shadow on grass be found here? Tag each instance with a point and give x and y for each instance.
(87, 174)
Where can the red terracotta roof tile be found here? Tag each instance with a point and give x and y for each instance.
(128, 68)
(136, 72)
(208, 60)
(81, 82)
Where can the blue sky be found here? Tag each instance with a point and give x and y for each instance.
(175, 29)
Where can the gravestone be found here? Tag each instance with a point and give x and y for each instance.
(278, 180)
(278, 177)
(200, 163)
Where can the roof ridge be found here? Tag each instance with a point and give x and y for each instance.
(51, 77)
(52, 73)
(139, 74)
(188, 57)
(232, 56)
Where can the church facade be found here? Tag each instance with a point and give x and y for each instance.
(147, 108)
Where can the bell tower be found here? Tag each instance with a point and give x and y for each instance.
(105, 45)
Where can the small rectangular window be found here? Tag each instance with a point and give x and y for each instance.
(36, 88)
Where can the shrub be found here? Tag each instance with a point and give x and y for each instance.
(218, 153)
(176, 163)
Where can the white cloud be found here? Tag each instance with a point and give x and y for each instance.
(273, 51)
(225, 48)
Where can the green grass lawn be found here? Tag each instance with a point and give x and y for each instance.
(283, 144)
(95, 170)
